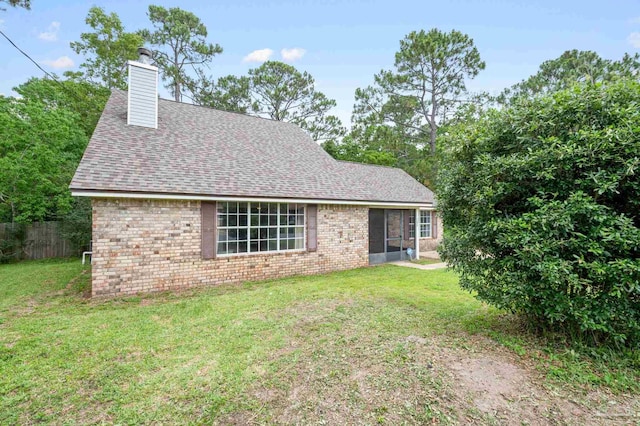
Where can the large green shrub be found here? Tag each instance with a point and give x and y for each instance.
(541, 205)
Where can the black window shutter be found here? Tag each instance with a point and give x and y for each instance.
(208, 210)
(312, 227)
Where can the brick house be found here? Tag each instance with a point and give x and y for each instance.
(185, 196)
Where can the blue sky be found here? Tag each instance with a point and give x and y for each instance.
(341, 43)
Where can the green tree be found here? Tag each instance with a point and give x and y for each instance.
(349, 150)
(107, 49)
(541, 203)
(573, 66)
(17, 3)
(180, 38)
(281, 92)
(84, 99)
(429, 79)
(229, 93)
(40, 147)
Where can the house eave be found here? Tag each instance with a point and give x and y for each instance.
(196, 197)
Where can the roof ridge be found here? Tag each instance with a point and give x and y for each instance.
(369, 164)
(243, 114)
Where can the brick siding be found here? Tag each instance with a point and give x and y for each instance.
(429, 244)
(142, 246)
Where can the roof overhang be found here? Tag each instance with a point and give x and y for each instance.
(188, 197)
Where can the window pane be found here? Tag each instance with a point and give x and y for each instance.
(256, 227)
(273, 233)
(222, 248)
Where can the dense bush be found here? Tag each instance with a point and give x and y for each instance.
(541, 204)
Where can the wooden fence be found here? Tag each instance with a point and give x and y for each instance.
(38, 240)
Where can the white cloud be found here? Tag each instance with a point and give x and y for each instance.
(61, 62)
(292, 54)
(52, 32)
(261, 55)
(634, 40)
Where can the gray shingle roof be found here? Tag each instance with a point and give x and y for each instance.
(203, 151)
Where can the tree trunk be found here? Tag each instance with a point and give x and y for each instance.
(433, 128)
(432, 141)
(176, 77)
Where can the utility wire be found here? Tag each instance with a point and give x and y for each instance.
(48, 74)
(26, 55)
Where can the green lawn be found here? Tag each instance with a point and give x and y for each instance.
(426, 261)
(333, 348)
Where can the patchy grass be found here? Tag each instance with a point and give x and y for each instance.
(369, 346)
(426, 261)
(20, 282)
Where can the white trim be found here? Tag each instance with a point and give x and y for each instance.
(257, 253)
(128, 95)
(416, 233)
(138, 195)
(155, 97)
(141, 65)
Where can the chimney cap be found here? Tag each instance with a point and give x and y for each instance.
(145, 55)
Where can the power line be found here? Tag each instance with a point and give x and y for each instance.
(48, 74)
(27, 56)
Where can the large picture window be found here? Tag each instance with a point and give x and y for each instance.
(259, 227)
(425, 224)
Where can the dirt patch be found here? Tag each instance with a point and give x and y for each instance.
(335, 370)
(493, 385)
(498, 388)
(496, 383)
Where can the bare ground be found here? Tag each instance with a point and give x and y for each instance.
(349, 377)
